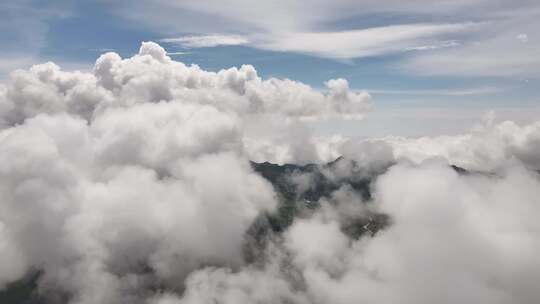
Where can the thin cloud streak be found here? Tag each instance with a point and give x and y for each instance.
(444, 92)
(204, 41)
(363, 43)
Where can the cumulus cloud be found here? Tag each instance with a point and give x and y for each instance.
(151, 76)
(453, 238)
(486, 147)
(128, 178)
(97, 206)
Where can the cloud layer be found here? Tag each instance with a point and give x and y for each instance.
(128, 178)
(453, 238)
(132, 184)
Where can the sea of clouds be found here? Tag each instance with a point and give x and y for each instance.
(132, 184)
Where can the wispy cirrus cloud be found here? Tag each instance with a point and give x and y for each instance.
(364, 42)
(345, 29)
(434, 46)
(347, 44)
(505, 54)
(443, 92)
(203, 41)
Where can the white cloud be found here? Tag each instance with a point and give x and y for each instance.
(283, 16)
(132, 184)
(343, 30)
(523, 38)
(499, 52)
(453, 238)
(484, 148)
(435, 46)
(204, 41)
(153, 76)
(177, 53)
(361, 43)
(443, 92)
(107, 172)
(342, 45)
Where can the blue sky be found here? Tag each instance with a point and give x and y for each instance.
(431, 66)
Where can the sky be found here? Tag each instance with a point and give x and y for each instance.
(129, 132)
(431, 67)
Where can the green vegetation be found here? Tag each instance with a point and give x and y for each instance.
(22, 291)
